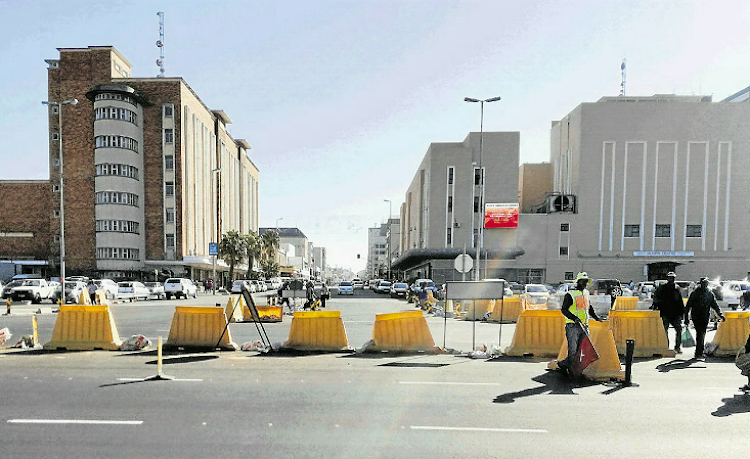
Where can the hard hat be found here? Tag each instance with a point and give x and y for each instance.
(582, 275)
(671, 274)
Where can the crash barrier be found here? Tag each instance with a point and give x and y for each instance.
(476, 309)
(101, 297)
(265, 313)
(234, 309)
(402, 331)
(645, 328)
(199, 327)
(535, 303)
(506, 311)
(317, 331)
(608, 366)
(732, 333)
(626, 303)
(84, 328)
(538, 333)
(84, 298)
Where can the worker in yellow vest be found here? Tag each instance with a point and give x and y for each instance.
(576, 308)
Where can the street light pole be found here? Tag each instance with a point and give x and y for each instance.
(388, 223)
(62, 196)
(480, 235)
(214, 193)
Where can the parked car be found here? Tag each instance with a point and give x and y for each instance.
(155, 289)
(132, 290)
(109, 286)
(180, 287)
(249, 285)
(260, 286)
(536, 294)
(644, 290)
(9, 286)
(383, 287)
(34, 290)
(346, 288)
(73, 290)
(723, 293)
(399, 289)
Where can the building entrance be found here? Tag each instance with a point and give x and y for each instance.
(659, 269)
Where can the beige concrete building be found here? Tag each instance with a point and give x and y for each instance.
(151, 175)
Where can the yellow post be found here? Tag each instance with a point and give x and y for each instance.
(158, 357)
(35, 326)
(7, 306)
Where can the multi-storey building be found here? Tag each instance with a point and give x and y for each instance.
(300, 263)
(151, 176)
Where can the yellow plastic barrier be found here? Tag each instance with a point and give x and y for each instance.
(402, 331)
(608, 366)
(199, 327)
(538, 333)
(317, 331)
(732, 334)
(626, 303)
(511, 310)
(475, 310)
(101, 297)
(234, 309)
(84, 298)
(645, 328)
(84, 328)
(265, 313)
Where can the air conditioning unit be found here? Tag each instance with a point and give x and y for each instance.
(561, 203)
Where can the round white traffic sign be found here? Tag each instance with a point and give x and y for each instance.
(463, 263)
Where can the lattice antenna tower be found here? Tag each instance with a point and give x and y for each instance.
(622, 84)
(160, 45)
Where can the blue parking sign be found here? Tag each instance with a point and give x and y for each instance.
(213, 248)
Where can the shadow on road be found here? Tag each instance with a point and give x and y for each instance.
(679, 364)
(553, 383)
(738, 404)
(184, 359)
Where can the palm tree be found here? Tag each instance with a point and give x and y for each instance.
(254, 249)
(270, 242)
(269, 268)
(233, 250)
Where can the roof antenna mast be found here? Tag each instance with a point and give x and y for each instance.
(622, 84)
(160, 45)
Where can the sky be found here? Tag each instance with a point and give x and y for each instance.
(340, 100)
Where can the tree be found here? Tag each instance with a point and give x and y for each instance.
(233, 250)
(254, 249)
(269, 268)
(270, 244)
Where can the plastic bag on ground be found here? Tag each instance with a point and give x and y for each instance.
(5, 335)
(480, 352)
(135, 343)
(256, 345)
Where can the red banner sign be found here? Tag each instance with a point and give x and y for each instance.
(501, 215)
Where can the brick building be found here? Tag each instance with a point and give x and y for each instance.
(151, 176)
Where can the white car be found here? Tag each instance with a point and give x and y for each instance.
(109, 286)
(132, 291)
(249, 285)
(180, 287)
(155, 289)
(536, 294)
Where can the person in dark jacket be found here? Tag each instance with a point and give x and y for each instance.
(698, 308)
(668, 301)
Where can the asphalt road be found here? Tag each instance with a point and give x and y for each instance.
(243, 404)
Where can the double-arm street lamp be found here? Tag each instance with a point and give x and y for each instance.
(480, 233)
(388, 224)
(59, 106)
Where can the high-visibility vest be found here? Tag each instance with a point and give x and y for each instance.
(580, 306)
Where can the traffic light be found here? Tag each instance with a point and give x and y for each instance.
(357, 256)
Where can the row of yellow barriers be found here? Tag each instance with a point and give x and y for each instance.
(91, 327)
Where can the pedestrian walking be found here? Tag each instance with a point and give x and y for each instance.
(92, 291)
(745, 299)
(743, 363)
(576, 308)
(698, 307)
(668, 301)
(422, 297)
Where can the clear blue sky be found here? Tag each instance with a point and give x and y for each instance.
(341, 99)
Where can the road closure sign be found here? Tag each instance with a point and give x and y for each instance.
(463, 263)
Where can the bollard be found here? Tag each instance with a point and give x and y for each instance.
(8, 301)
(629, 349)
(159, 376)
(35, 327)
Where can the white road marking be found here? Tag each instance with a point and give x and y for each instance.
(73, 421)
(143, 379)
(478, 429)
(449, 383)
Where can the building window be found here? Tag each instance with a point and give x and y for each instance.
(115, 96)
(663, 230)
(55, 188)
(169, 216)
(168, 110)
(117, 253)
(116, 141)
(170, 241)
(563, 251)
(56, 213)
(117, 197)
(448, 235)
(54, 109)
(169, 162)
(450, 176)
(55, 136)
(477, 177)
(568, 275)
(115, 113)
(168, 135)
(564, 227)
(694, 231)
(117, 226)
(476, 203)
(169, 189)
(57, 238)
(120, 170)
(633, 231)
(450, 203)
